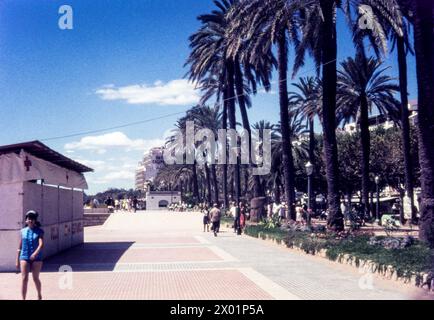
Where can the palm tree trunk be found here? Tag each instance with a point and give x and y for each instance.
(312, 161)
(246, 125)
(424, 49)
(366, 142)
(402, 64)
(208, 184)
(215, 182)
(232, 125)
(195, 183)
(329, 56)
(277, 192)
(288, 163)
(225, 166)
(246, 182)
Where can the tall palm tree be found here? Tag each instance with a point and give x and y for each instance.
(275, 170)
(424, 51)
(317, 20)
(180, 127)
(299, 148)
(398, 31)
(308, 100)
(266, 23)
(210, 64)
(363, 85)
(209, 118)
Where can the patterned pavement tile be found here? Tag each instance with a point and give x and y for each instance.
(170, 285)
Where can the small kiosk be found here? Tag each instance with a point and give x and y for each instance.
(160, 200)
(35, 177)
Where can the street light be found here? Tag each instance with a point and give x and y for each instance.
(377, 211)
(309, 172)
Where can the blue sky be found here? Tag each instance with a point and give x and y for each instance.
(121, 63)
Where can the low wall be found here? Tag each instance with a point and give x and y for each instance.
(96, 210)
(95, 219)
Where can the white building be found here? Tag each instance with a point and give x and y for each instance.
(160, 200)
(148, 168)
(140, 177)
(384, 120)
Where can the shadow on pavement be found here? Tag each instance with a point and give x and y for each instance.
(90, 256)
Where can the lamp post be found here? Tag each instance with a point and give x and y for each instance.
(377, 211)
(309, 171)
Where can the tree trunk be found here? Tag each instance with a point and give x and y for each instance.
(312, 161)
(233, 125)
(329, 56)
(366, 142)
(208, 185)
(195, 183)
(277, 192)
(246, 183)
(225, 166)
(402, 64)
(215, 182)
(287, 160)
(424, 48)
(258, 192)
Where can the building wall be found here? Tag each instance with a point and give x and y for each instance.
(153, 200)
(61, 216)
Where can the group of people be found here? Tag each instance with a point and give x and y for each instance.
(212, 217)
(180, 207)
(281, 209)
(130, 204)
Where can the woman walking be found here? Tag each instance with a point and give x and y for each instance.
(29, 257)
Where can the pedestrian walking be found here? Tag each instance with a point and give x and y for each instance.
(206, 219)
(215, 218)
(29, 257)
(135, 201)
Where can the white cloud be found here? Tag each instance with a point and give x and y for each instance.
(115, 177)
(118, 139)
(106, 154)
(174, 92)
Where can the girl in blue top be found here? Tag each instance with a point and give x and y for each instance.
(29, 257)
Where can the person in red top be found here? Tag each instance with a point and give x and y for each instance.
(242, 215)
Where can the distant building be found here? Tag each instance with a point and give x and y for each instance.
(140, 177)
(148, 168)
(374, 122)
(384, 120)
(412, 107)
(160, 200)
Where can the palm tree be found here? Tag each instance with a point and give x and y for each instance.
(299, 147)
(180, 127)
(265, 23)
(398, 31)
(317, 20)
(424, 51)
(308, 101)
(210, 64)
(361, 86)
(209, 118)
(276, 159)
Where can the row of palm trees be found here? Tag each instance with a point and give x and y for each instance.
(241, 42)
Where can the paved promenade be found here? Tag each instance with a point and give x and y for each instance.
(166, 255)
